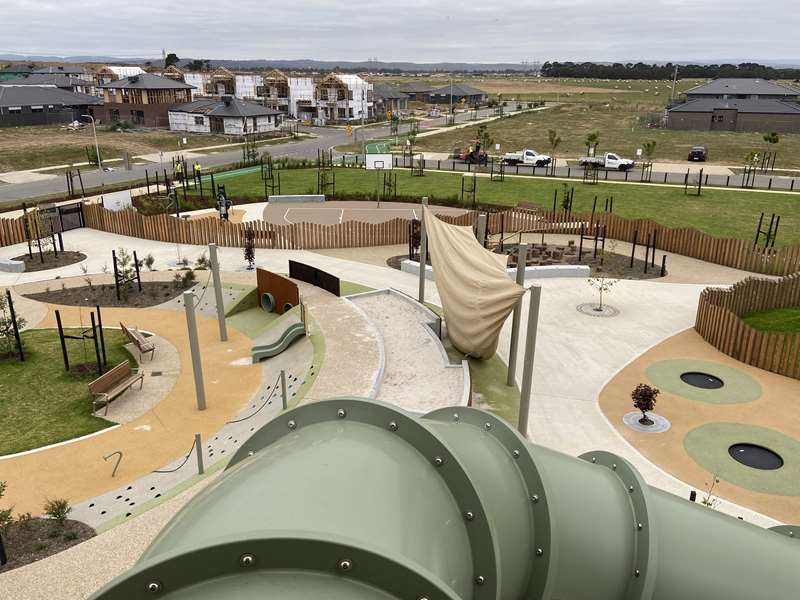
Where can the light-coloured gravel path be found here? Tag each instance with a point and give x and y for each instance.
(352, 354)
(417, 376)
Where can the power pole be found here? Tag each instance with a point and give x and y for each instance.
(674, 82)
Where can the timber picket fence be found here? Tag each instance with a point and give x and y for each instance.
(735, 253)
(719, 321)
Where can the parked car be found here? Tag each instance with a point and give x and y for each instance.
(608, 161)
(698, 153)
(526, 157)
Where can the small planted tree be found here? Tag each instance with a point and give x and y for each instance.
(592, 142)
(649, 149)
(5, 513)
(554, 140)
(603, 286)
(8, 340)
(250, 248)
(644, 399)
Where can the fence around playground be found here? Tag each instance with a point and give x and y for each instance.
(735, 253)
(719, 322)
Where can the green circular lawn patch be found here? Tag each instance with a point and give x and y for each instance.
(737, 386)
(708, 446)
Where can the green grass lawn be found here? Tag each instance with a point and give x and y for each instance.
(40, 404)
(723, 213)
(782, 320)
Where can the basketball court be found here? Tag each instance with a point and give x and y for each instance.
(330, 213)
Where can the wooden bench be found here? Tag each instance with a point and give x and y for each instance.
(112, 383)
(137, 339)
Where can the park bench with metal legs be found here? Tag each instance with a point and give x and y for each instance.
(137, 339)
(112, 383)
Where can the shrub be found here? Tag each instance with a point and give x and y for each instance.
(203, 263)
(149, 260)
(70, 536)
(644, 399)
(5, 513)
(57, 509)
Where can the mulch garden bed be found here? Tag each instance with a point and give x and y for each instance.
(51, 261)
(33, 539)
(153, 293)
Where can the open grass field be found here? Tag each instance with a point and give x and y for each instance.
(40, 404)
(622, 128)
(723, 213)
(782, 320)
(618, 109)
(24, 148)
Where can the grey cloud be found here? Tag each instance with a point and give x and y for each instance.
(416, 30)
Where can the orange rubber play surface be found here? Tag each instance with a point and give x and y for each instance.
(775, 410)
(77, 471)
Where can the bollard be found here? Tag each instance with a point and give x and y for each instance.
(198, 449)
(284, 394)
(223, 329)
(527, 365)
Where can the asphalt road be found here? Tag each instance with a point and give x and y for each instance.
(325, 138)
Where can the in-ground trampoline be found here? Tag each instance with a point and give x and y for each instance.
(704, 381)
(755, 456)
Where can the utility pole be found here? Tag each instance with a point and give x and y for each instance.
(96, 145)
(674, 82)
(451, 101)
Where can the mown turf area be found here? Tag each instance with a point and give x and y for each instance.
(723, 213)
(40, 404)
(783, 320)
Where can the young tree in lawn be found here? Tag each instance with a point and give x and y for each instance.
(554, 140)
(592, 142)
(644, 399)
(8, 340)
(649, 149)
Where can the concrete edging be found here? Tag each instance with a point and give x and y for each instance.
(378, 377)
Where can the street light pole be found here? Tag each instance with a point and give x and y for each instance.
(96, 145)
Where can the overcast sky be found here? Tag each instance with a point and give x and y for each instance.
(413, 30)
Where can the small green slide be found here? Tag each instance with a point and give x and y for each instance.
(262, 351)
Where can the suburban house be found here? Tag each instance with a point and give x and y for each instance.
(109, 73)
(461, 93)
(223, 82)
(22, 105)
(16, 71)
(388, 97)
(62, 82)
(143, 99)
(274, 90)
(743, 89)
(343, 97)
(70, 71)
(417, 92)
(229, 116)
(738, 105)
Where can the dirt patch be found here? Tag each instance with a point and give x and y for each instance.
(51, 261)
(153, 293)
(29, 540)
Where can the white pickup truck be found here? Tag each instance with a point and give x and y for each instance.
(526, 157)
(608, 161)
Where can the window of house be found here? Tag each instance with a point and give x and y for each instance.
(37, 109)
(115, 114)
(198, 120)
(14, 110)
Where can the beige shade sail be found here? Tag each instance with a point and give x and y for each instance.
(477, 294)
